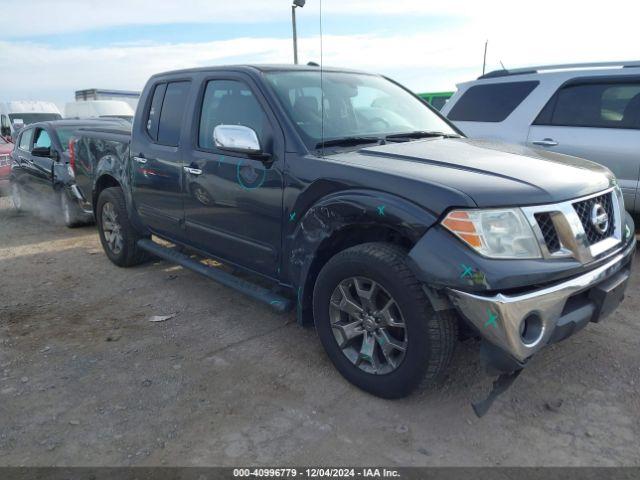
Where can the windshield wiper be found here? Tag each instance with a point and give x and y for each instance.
(347, 141)
(420, 134)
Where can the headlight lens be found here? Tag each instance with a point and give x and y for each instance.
(496, 233)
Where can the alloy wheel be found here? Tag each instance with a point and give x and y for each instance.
(111, 228)
(368, 325)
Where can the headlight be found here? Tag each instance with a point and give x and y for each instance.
(497, 233)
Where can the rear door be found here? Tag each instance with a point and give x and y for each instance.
(597, 119)
(157, 161)
(233, 201)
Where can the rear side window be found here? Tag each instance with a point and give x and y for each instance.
(490, 103)
(153, 116)
(175, 100)
(25, 140)
(599, 105)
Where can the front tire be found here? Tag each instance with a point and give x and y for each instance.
(118, 236)
(376, 323)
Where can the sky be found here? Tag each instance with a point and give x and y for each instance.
(50, 49)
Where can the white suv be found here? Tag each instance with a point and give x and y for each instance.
(586, 110)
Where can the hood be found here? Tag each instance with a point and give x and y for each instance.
(492, 174)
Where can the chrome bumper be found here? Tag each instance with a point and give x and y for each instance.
(499, 318)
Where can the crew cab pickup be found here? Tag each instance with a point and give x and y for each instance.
(367, 211)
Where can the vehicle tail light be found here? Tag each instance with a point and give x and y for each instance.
(72, 154)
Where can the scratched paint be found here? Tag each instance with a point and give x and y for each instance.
(492, 317)
(472, 275)
(249, 177)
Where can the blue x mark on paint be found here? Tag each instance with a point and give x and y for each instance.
(381, 210)
(492, 319)
(466, 271)
(292, 216)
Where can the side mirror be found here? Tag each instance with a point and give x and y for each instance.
(41, 152)
(5, 131)
(237, 138)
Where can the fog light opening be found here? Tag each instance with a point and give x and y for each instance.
(531, 329)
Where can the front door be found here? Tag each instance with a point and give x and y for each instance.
(233, 202)
(42, 166)
(157, 161)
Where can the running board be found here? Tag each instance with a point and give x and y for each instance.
(275, 301)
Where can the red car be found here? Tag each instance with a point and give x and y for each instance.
(5, 165)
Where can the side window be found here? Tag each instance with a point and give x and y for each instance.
(229, 102)
(175, 99)
(491, 103)
(42, 139)
(4, 121)
(154, 110)
(599, 105)
(25, 140)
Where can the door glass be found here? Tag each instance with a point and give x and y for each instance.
(229, 102)
(42, 139)
(600, 105)
(173, 105)
(25, 140)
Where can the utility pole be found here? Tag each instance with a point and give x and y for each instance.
(296, 3)
(484, 61)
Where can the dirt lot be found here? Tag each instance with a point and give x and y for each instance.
(87, 379)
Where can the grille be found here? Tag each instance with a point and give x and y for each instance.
(548, 231)
(583, 209)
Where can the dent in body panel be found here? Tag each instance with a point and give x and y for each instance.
(347, 212)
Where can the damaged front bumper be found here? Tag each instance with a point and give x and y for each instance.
(515, 326)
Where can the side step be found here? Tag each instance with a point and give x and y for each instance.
(275, 301)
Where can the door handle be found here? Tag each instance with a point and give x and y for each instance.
(547, 142)
(193, 171)
(141, 160)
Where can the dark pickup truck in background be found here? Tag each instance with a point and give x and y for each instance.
(42, 170)
(365, 210)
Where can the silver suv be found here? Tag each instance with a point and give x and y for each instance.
(586, 110)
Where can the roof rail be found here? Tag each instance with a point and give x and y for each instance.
(566, 66)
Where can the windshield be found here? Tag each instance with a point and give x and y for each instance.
(355, 105)
(29, 118)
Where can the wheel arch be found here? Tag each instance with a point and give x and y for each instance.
(342, 220)
(104, 181)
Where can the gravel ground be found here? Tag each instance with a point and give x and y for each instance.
(86, 378)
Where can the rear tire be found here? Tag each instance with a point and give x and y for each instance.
(16, 196)
(71, 213)
(382, 367)
(118, 236)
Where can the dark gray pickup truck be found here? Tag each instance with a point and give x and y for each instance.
(348, 198)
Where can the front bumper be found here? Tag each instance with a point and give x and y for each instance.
(521, 324)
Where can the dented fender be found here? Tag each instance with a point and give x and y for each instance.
(352, 209)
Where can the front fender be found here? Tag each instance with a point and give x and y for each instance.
(334, 213)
